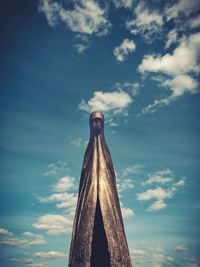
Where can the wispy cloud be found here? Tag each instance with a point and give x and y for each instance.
(160, 177)
(123, 3)
(144, 254)
(125, 48)
(36, 239)
(124, 185)
(33, 239)
(56, 168)
(132, 169)
(194, 22)
(54, 224)
(65, 183)
(50, 255)
(31, 263)
(181, 7)
(137, 252)
(82, 43)
(14, 241)
(81, 48)
(86, 16)
(4, 231)
(127, 212)
(62, 200)
(160, 194)
(63, 197)
(171, 38)
(146, 22)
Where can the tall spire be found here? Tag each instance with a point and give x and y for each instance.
(98, 237)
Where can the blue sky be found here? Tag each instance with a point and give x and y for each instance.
(137, 62)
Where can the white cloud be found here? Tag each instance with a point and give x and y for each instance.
(181, 248)
(146, 254)
(19, 242)
(13, 241)
(171, 38)
(54, 224)
(180, 85)
(4, 231)
(123, 3)
(180, 183)
(28, 234)
(125, 48)
(65, 183)
(86, 16)
(183, 60)
(158, 193)
(50, 255)
(147, 22)
(179, 66)
(194, 22)
(63, 200)
(160, 177)
(51, 11)
(182, 7)
(116, 102)
(137, 252)
(157, 205)
(127, 212)
(124, 185)
(31, 263)
(39, 240)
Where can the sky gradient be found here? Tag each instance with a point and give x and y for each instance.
(137, 62)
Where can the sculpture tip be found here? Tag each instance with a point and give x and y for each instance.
(96, 115)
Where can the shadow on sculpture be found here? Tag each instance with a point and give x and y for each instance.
(98, 237)
(100, 255)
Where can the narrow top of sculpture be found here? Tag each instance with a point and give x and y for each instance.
(96, 122)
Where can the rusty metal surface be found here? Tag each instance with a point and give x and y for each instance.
(98, 182)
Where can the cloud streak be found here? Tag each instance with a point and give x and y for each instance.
(33, 239)
(50, 255)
